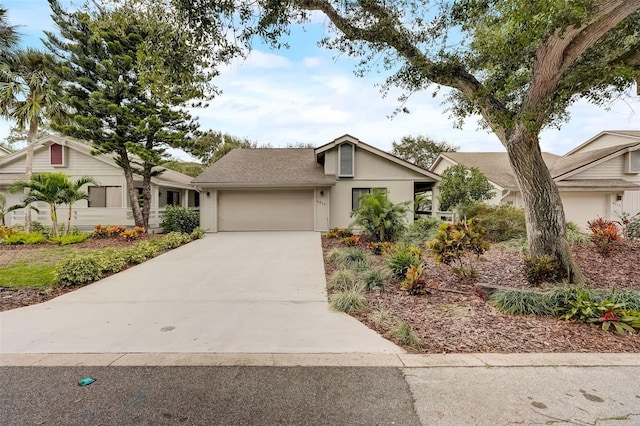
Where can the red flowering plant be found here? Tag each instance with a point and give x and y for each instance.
(613, 314)
(605, 235)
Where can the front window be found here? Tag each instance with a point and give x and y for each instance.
(345, 158)
(356, 193)
(105, 196)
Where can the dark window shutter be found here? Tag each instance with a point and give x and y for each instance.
(56, 155)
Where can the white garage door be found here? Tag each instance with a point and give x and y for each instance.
(265, 210)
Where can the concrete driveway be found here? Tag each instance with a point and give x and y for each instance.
(250, 292)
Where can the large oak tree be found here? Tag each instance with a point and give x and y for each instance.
(519, 64)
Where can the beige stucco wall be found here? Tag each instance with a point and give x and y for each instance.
(370, 171)
(581, 207)
(398, 191)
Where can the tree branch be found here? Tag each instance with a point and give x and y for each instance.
(561, 50)
(446, 74)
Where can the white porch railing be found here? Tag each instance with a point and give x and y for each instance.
(87, 218)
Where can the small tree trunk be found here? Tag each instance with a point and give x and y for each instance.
(54, 221)
(131, 190)
(28, 171)
(546, 227)
(146, 194)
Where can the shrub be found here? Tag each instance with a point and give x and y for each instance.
(111, 259)
(400, 259)
(380, 247)
(352, 300)
(575, 234)
(544, 268)
(405, 335)
(25, 238)
(630, 298)
(379, 218)
(5, 231)
(515, 244)
(342, 279)
(502, 222)
(171, 240)
(414, 282)
(420, 231)
(460, 244)
(106, 231)
(339, 233)
(197, 234)
(354, 240)
(632, 229)
(179, 219)
(70, 239)
(79, 269)
(605, 235)
(132, 234)
(346, 257)
(374, 279)
(141, 251)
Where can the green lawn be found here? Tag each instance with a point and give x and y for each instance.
(23, 274)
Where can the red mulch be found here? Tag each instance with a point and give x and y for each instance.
(453, 319)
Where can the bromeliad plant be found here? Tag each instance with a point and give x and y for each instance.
(585, 308)
(459, 244)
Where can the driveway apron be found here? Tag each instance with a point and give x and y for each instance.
(243, 292)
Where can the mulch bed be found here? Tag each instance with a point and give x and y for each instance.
(452, 318)
(17, 298)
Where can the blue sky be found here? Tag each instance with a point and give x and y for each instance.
(309, 94)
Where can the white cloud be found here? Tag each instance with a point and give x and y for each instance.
(263, 60)
(312, 62)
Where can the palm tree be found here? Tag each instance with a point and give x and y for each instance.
(30, 93)
(8, 37)
(73, 193)
(4, 210)
(378, 217)
(47, 187)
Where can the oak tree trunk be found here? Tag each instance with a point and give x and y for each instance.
(131, 190)
(546, 227)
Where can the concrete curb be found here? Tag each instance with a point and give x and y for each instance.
(325, 360)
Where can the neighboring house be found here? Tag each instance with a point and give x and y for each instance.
(108, 203)
(302, 189)
(601, 177)
(4, 151)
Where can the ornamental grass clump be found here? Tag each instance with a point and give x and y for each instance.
(400, 259)
(351, 300)
(404, 334)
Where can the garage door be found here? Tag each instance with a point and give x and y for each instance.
(265, 210)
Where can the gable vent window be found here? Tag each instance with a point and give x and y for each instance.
(346, 160)
(633, 162)
(56, 155)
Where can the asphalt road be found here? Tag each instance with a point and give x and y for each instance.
(205, 396)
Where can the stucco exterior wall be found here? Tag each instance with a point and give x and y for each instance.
(341, 196)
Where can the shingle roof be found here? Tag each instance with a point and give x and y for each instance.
(596, 184)
(266, 167)
(494, 165)
(572, 162)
